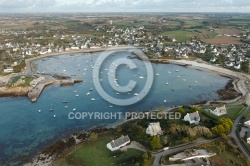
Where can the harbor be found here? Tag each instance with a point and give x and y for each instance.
(37, 90)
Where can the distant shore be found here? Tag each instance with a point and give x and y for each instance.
(29, 65)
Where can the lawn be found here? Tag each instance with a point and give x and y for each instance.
(232, 112)
(97, 154)
(192, 23)
(180, 35)
(226, 158)
(26, 83)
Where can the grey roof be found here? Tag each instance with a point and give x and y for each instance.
(119, 141)
(194, 116)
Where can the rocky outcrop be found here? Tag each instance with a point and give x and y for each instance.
(14, 91)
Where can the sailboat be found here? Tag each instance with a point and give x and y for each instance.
(65, 101)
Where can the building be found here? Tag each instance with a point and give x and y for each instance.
(118, 143)
(190, 154)
(154, 129)
(7, 69)
(247, 123)
(219, 111)
(237, 66)
(248, 136)
(192, 117)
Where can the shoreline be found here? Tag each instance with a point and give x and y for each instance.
(29, 65)
(192, 64)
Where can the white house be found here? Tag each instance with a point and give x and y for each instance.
(247, 123)
(7, 69)
(229, 64)
(192, 117)
(118, 143)
(219, 111)
(154, 129)
(75, 48)
(213, 59)
(237, 66)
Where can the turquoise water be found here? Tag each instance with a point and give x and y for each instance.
(24, 130)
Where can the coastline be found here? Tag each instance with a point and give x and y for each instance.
(29, 65)
(238, 85)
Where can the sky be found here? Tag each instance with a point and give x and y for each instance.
(12, 6)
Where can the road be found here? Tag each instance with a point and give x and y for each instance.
(236, 122)
(177, 149)
(232, 134)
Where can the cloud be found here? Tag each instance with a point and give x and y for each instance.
(26, 3)
(127, 5)
(16, 3)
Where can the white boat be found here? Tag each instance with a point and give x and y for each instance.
(39, 110)
(91, 89)
(136, 94)
(110, 106)
(117, 93)
(54, 116)
(165, 101)
(169, 72)
(75, 91)
(66, 106)
(178, 76)
(88, 93)
(65, 101)
(141, 77)
(184, 80)
(74, 109)
(93, 99)
(157, 74)
(77, 95)
(64, 70)
(166, 83)
(196, 81)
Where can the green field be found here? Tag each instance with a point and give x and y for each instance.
(232, 112)
(97, 154)
(192, 23)
(180, 35)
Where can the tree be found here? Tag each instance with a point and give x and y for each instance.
(245, 67)
(155, 143)
(93, 136)
(196, 108)
(182, 111)
(147, 159)
(224, 136)
(221, 129)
